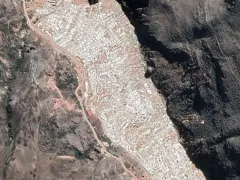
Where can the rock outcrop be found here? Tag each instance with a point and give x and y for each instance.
(192, 49)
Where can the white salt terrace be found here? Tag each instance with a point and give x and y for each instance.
(131, 110)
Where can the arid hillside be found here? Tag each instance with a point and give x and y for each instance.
(119, 89)
(46, 133)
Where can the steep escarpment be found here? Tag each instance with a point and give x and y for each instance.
(192, 52)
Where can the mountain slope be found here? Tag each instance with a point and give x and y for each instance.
(192, 49)
(44, 131)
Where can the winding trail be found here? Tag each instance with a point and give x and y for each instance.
(81, 86)
(103, 147)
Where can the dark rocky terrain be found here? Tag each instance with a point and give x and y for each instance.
(192, 51)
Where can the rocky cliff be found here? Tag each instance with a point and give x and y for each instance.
(192, 51)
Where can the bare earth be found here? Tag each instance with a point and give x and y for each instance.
(132, 112)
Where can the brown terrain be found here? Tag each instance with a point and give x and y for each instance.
(45, 131)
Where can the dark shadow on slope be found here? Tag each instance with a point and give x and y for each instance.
(92, 2)
(200, 89)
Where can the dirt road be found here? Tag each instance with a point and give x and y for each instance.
(81, 87)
